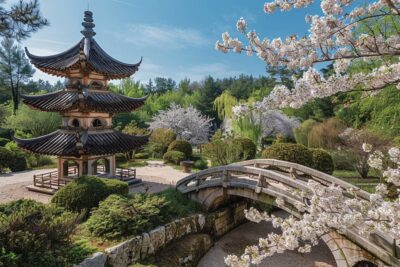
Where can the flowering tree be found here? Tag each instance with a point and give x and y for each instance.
(188, 123)
(344, 34)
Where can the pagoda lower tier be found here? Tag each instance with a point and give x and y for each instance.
(83, 151)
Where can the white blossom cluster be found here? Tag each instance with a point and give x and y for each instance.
(188, 123)
(333, 37)
(328, 208)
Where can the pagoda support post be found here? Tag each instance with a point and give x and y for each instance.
(60, 168)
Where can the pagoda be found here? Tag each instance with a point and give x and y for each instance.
(86, 135)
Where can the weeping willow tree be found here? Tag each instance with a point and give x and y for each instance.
(224, 104)
(249, 126)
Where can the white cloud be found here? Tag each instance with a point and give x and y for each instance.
(163, 37)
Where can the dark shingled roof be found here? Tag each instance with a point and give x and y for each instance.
(96, 101)
(95, 57)
(78, 143)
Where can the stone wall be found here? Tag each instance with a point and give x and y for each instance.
(139, 247)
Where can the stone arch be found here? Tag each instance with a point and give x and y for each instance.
(101, 166)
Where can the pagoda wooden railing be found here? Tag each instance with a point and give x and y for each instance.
(125, 174)
(50, 180)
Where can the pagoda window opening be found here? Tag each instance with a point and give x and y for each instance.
(96, 85)
(97, 123)
(70, 168)
(75, 123)
(101, 167)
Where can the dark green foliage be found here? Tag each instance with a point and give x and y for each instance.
(178, 204)
(34, 234)
(86, 192)
(4, 141)
(119, 216)
(289, 152)
(5, 158)
(200, 164)
(18, 163)
(379, 113)
(224, 151)
(247, 146)
(322, 161)
(174, 157)
(182, 146)
(5, 133)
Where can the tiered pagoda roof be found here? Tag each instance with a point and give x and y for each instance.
(78, 143)
(96, 101)
(85, 54)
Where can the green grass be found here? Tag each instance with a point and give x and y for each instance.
(353, 177)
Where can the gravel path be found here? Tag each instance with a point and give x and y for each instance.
(235, 242)
(155, 179)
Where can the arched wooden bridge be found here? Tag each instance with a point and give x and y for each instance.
(265, 180)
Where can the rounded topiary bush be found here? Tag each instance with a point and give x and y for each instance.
(18, 162)
(5, 158)
(4, 141)
(182, 146)
(322, 161)
(289, 152)
(247, 147)
(86, 192)
(174, 157)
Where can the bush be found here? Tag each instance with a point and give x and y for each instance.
(160, 139)
(174, 157)
(322, 161)
(182, 146)
(5, 158)
(200, 164)
(3, 141)
(6, 133)
(34, 234)
(86, 192)
(289, 152)
(18, 162)
(223, 152)
(119, 216)
(247, 146)
(326, 134)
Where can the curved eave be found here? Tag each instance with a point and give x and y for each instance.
(63, 101)
(64, 143)
(97, 60)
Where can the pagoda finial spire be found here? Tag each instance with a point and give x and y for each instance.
(88, 25)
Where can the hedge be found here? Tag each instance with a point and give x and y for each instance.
(322, 161)
(289, 152)
(247, 146)
(86, 192)
(182, 146)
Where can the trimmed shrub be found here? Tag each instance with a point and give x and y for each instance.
(34, 234)
(121, 217)
(200, 164)
(86, 192)
(4, 141)
(289, 152)
(247, 146)
(174, 157)
(182, 146)
(322, 161)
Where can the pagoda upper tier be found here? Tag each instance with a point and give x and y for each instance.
(86, 56)
(84, 101)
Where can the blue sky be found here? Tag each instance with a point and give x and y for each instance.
(176, 37)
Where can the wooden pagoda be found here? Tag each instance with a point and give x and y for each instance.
(86, 136)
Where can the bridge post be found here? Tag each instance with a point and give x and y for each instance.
(293, 173)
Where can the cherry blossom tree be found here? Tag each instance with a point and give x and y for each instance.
(345, 32)
(188, 123)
